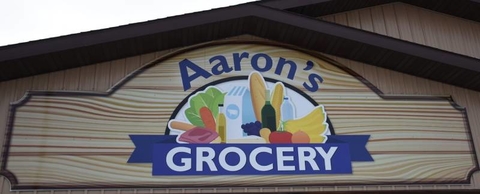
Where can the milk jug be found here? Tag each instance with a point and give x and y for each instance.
(288, 110)
(238, 111)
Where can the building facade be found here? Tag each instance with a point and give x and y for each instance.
(413, 67)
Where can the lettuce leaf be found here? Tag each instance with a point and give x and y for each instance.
(209, 98)
(194, 117)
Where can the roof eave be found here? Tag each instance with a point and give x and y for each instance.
(103, 45)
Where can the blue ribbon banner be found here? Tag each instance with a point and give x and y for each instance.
(170, 158)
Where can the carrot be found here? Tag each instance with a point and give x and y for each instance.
(179, 125)
(207, 118)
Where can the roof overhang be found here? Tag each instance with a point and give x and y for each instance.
(467, 9)
(264, 21)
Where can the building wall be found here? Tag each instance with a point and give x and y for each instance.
(100, 77)
(415, 24)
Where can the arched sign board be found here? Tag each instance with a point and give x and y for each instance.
(236, 114)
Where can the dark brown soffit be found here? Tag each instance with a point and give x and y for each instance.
(77, 50)
(468, 9)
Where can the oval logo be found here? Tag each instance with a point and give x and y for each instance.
(232, 111)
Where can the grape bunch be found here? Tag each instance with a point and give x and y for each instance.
(252, 128)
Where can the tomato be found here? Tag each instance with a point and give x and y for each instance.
(280, 137)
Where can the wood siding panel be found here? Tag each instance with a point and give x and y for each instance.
(390, 21)
(390, 82)
(7, 96)
(341, 19)
(22, 86)
(6, 93)
(131, 64)
(415, 25)
(117, 71)
(366, 20)
(404, 30)
(55, 80)
(72, 79)
(87, 78)
(40, 82)
(353, 19)
(378, 21)
(102, 77)
(329, 18)
(418, 25)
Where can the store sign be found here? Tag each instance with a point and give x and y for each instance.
(236, 115)
(249, 126)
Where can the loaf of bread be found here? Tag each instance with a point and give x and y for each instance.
(257, 93)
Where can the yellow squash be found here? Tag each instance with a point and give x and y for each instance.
(314, 124)
(277, 99)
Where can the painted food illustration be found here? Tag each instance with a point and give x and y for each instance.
(253, 112)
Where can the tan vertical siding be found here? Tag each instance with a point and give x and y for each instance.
(87, 78)
(72, 79)
(55, 80)
(117, 71)
(40, 82)
(100, 77)
(415, 24)
(131, 64)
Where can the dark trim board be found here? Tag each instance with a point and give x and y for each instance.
(266, 19)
